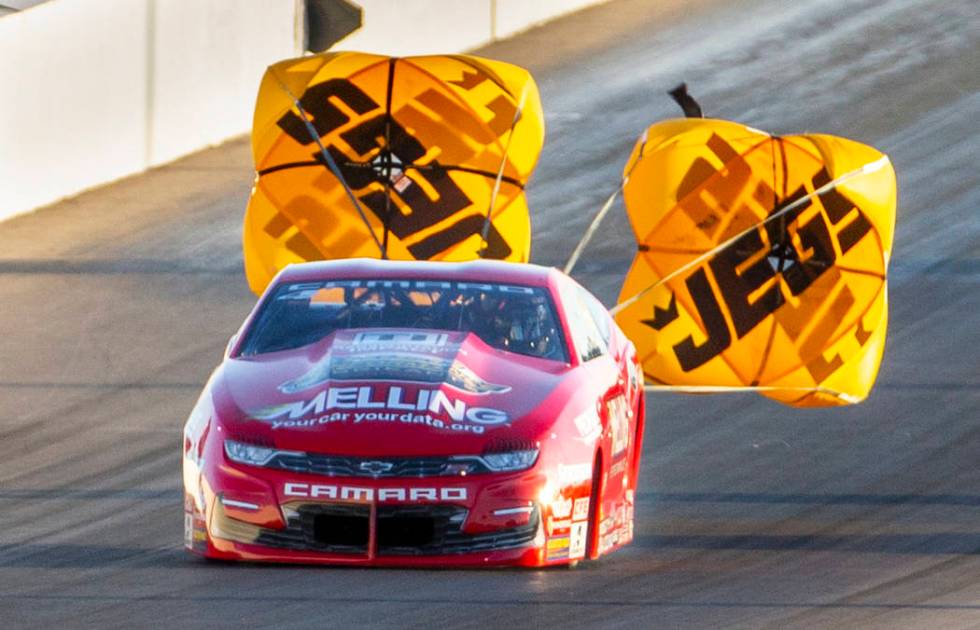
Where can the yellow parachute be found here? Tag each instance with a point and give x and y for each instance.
(762, 261)
(405, 158)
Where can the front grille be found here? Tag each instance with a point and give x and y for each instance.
(448, 538)
(410, 530)
(402, 529)
(325, 527)
(342, 466)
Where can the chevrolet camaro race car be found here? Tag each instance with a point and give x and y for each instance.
(417, 413)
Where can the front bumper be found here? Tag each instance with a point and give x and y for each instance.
(369, 533)
(479, 528)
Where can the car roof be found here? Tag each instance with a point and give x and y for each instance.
(470, 271)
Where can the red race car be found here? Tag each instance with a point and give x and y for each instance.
(417, 413)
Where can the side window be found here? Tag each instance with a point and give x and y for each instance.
(588, 339)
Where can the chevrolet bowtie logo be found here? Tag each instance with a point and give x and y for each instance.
(376, 468)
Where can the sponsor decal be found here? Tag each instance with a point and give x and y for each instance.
(608, 541)
(616, 529)
(360, 494)
(561, 507)
(382, 403)
(306, 290)
(558, 547)
(188, 530)
(195, 534)
(399, 341)
(558, 525)
(589, 425)
(318, 375)
(402, 183)
(619, 423)
(581, 510)
(576, 548)
(607, 525)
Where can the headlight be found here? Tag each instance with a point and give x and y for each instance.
(249, 453)
(508, 461)
(514, 460)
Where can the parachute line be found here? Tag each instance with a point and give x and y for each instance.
(863, 170)
(331, 164)
(465, 169)
(408, 166)
(387, 156)
(593, 227)
(777, 148)
(485, 233)
(289, 165)
(723, 389)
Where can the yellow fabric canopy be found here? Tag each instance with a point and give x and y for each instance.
(762, 260)
(429, 147)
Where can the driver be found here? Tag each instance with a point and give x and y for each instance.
(531, 330)
(488, 319)
(513, 323)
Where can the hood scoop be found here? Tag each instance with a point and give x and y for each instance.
(425, 358)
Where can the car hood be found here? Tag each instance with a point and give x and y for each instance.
(389, 392)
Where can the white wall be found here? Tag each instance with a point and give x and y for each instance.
(419, 27)
(95, 90)
(74, 97)
(208, 59)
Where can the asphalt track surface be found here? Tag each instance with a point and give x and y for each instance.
(117, 304)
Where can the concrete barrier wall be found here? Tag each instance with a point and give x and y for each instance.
(208, 58)
(72, 109)
(97, 90)
(100, 89)
(420, 27)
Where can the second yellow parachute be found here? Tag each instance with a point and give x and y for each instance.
(762, 260)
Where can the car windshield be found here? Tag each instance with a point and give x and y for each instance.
(508, 317)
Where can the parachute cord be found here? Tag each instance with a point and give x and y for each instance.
(485, 233)
(722, 389)
(591, 230)
(775, 143)
(387, 157)
(331, 164)
(871, 167)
